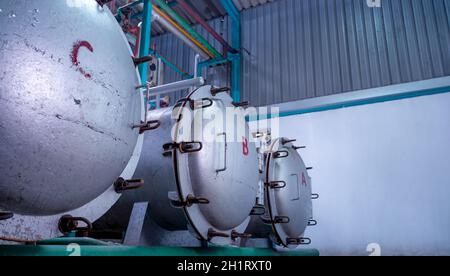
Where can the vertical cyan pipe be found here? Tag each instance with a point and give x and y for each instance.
(146, 33)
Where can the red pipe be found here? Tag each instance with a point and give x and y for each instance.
(205, 25)
(137, 33)
(113, 6)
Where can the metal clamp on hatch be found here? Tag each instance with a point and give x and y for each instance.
(284, 142)
(103, 2)
(6, 215)
(258, 210)
(221, 148)
(276, 184)
(281, 220)
(69, 224)
(280, 154)
(214, 234)
(121, 185)
(277, 220)
(141, 60)
(314, 196)
(215, 91)
(236, 235)
(188, 202)
(312, 222)
(184, 147)
(146, 126)
(192, 200)
(196, 104)
(241, 104)
(298, 241)
(257, 135)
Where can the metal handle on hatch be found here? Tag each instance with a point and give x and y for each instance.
(222, 168)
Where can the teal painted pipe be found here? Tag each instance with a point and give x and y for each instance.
(171, 65)
(388, 98)
(145, 39)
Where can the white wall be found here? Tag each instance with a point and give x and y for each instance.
(383, 175)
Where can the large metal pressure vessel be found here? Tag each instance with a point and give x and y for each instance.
(287, 196)
(201, 174)
(68, 104)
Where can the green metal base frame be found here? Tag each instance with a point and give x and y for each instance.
(90, 247)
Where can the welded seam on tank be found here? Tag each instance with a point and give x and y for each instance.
(91, 127)
(76, 122)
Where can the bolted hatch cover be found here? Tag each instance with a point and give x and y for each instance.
(220, 166)
(288, 193)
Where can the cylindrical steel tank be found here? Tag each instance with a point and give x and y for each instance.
(206, 181)
(68, 103)
(287, 196)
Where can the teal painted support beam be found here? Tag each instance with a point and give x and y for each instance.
(145, 39)
(116, 250)
(236, 77)
(230, 9)
(171, 65)
(353, 103)
(211, 62)
(236, 69)
(92, 247)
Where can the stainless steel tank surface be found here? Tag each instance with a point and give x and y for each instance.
(207, 186)
(67, 102)
(287, 196)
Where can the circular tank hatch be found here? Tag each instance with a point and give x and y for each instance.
(223, 172)
(288, 193)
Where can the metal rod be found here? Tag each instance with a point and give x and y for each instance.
(159, 82)
(197, 61)
(175, 86)
(196, 75)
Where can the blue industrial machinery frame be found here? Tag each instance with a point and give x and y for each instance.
(211, 62)
(234, 58)
(171, 65)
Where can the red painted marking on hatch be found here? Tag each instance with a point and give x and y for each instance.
(74, 56)
(245, 149)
